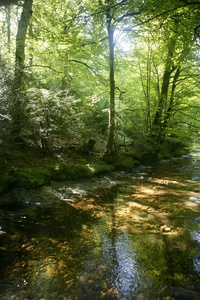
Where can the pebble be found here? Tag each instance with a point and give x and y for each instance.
(165, 228)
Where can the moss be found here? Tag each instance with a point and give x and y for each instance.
(125, 163)
(15, 157)
(30, 177)
(5, 181)
(68, 171)
(27, 172)
(102, 168)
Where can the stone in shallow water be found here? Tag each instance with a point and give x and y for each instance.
(48, 193)
(183, 294)
(178, 293)
(165, 228)
(195, 199)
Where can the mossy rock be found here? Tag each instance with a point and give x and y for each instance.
(69, 171)
(102, 168)
(17, 157)
(125, 163)
(30, 177)
(5, 181)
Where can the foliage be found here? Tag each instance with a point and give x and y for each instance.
(58, 120)
(61, 97)
(5, 94)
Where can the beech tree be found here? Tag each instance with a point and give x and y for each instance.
(161, 55)
(76, 61)
(17, 111)
(114, 15)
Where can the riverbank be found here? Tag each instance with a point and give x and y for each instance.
(25, 168)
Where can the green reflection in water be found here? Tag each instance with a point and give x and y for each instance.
(124, 237)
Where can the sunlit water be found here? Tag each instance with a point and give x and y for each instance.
(127, 236)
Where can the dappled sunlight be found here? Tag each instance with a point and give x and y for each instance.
(114, 237)
(148, 208)
(191, 205)
(136, 217)
(167, 181)
(148, 191)
(89, 205)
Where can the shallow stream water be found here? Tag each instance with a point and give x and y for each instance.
(124, 236)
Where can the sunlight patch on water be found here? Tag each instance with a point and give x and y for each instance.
(191, 204)
(122, 237)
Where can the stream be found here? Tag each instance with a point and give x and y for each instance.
(122, 236)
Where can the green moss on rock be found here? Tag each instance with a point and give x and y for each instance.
(101, 168)
(5, 181)
(125, 163)
(31, 177)
(68, 171)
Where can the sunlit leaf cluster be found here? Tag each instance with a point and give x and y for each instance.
(156, 70)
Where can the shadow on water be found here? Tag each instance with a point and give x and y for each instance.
(128, 236)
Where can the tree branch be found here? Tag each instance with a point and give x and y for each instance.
(190, 3)
(135, 13)
(82, 63)
(41, 66)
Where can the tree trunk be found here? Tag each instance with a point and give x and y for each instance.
(162, 102)
(8, 26)
(111, 130)
(171, 103)
(20, 42)
(18, 105)
(148, 90)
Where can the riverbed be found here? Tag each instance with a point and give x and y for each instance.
(132, 235)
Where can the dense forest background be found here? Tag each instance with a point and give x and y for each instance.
(98, 79)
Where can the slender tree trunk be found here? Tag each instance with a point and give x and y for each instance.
(8, 26)
(111, 130)
(148, 90)
(30, 33)
(65, 81)
(171, 103)
(18, 104)
(20, 42)
(162, 102)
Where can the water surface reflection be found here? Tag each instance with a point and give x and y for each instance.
(126, 236)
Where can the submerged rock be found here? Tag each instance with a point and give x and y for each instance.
(183, 294)
(49, 194)
(195, 199)
(165, 228)
(19, 197)
(22, 197)
(178, 293)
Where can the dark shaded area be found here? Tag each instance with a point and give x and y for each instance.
(8, 2)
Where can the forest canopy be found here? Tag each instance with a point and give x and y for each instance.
(101, 77)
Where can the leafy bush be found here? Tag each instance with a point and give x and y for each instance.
(173, 146)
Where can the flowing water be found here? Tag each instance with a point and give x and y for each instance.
(123, 236)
